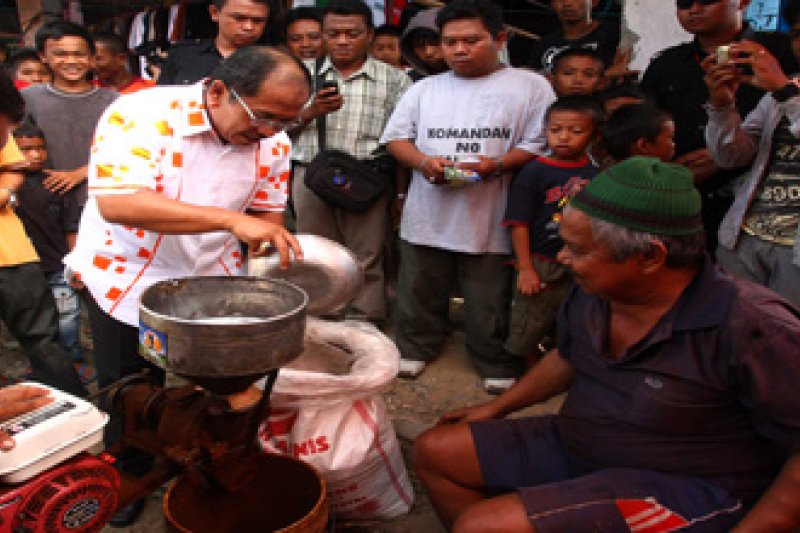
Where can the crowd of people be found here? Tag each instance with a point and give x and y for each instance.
(632, 243)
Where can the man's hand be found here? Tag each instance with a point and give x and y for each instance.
(327, 100)
(722, 80)
(63, 181)
(484, 411)
(528, 281)
(767, 72)
(700, 163)
(619, 68)
(778, 510)
(433, 169)
(260, 235)
(486, 167)
(16, 400)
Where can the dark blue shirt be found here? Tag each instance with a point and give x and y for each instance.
(711, 391)
(47, 219)
(538, 194)
(189, 62)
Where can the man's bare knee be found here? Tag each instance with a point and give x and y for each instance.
(437, 447)
(503, 514)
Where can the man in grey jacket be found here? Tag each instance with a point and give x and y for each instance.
(759, 236)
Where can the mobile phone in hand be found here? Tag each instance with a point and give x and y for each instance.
(331, 85)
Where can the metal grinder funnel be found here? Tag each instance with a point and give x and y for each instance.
(222, 333)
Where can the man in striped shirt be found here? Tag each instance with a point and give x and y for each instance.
(356, 113)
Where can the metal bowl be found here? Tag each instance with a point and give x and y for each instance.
(330, 273)
(222, 327)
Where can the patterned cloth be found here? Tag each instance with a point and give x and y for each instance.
(162, 140)
(370, 96)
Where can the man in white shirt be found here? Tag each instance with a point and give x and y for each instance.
(177, 177)
(489, 118)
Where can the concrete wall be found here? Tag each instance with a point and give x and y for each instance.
(650, 26)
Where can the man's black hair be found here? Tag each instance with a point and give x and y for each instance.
(388, 29)
(116, 44)
(630, 123)
(19, 57)
(12, 106)
(791, 11)
(221, 3)
(59, 29)
(579, 103)
(28, 131)
(423, 35)
(489, 13)
(626, 90)
(303, 13)
(247, 68)
(577, 51)
(351, 7)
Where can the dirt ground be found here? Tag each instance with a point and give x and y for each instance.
(414, 405)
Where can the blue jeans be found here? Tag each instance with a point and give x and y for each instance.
(68, 304)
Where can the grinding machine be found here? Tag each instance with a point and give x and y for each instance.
(218, 335)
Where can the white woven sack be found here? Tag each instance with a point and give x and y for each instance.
(337, 422)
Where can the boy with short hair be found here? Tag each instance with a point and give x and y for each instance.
(26, 68)
(639, 129)
(536, 198)
(303, 29)
(577, 71)
(111, 65)
(67, 110)
(386, 45)
(44, 216)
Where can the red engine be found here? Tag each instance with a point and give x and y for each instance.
(77, 496)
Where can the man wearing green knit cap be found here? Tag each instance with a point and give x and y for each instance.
(682, 410)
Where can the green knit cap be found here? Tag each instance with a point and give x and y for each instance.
(644, 194)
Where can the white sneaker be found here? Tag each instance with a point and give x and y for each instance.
(410, 368)
(498, 385)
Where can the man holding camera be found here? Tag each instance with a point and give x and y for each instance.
(759, 234)
(356, 94)
(675, 80)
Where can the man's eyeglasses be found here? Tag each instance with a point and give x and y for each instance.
(264, 122)
(686, 4)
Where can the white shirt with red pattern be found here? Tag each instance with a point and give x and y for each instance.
(162, 140)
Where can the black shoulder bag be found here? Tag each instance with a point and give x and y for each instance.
(341, 180)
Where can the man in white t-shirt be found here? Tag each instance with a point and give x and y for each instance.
(487, 118)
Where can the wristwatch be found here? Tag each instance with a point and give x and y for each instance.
(12, 197)
(786, 92)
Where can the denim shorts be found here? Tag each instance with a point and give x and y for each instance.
(560, 494)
